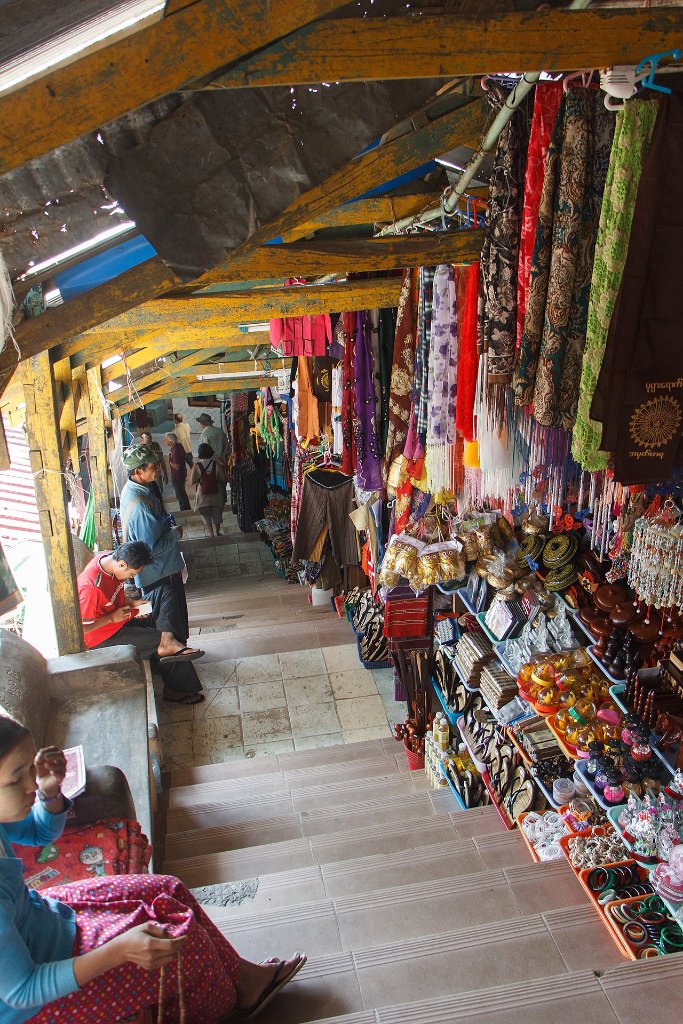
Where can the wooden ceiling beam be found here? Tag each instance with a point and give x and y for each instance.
(183, 48)
(135, 360)
(375, 210)
(179, 386)
(349, 50)
(209, 312)
(348, 255)
(169, 369)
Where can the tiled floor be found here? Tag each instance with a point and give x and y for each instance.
(278, 674)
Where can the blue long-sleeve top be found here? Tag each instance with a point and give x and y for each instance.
(36, 933)
(143, 519)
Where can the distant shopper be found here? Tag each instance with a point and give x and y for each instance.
(176, 460)
(182, 432)
(146, 438)
(213, 436)
(208, 477)
(161, 581)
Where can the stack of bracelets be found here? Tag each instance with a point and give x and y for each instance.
(647, 926)
(619, 882)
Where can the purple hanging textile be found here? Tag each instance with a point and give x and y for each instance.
(364, 424)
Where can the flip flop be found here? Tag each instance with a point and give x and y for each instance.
(275, 986)
(188, 698)
(181, 656)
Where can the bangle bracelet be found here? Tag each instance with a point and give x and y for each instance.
(48, 799)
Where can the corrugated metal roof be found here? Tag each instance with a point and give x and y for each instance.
(18, 508)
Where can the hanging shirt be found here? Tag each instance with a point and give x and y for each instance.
(99, 594)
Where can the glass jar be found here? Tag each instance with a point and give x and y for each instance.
(562, 720)
(583, 711)
(614, 791)
(584, 737)
(547, 698)
(606, 731)
(641, 751)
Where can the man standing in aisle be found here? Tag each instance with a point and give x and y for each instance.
(110, 618)
(176, 460)
(161, 581)
(216, 439)
(182, 432)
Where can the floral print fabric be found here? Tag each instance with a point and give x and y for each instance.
(548, 366)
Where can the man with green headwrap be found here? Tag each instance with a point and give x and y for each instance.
(143, 519)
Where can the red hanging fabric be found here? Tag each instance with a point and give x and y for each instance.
(546, 108)
(468, 358)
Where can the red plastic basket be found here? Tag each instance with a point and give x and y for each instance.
(416, 762)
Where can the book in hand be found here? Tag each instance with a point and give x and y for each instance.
(74, 780)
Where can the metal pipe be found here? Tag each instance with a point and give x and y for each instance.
(522, 89)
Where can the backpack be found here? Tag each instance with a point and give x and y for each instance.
(209, 479)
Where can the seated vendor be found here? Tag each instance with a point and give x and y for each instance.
(111, 618)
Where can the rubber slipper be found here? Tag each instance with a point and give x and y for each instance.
(188, 698)
(181, 655)
(275, 986)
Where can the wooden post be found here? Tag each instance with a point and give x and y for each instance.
(99, 464)
(66, 408)
(45, 452)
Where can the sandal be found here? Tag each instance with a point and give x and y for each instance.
(184, 654)
(275, 986)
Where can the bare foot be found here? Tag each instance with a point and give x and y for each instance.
(256, 978)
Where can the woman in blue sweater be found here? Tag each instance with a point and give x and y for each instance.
(92, 951)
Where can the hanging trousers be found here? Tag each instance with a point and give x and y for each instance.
(326, 502)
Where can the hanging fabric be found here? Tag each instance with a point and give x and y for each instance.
(639, 395)
(500, 252)
(633, 131)
(547, 99)
(551, 350)
(348, 395)
(443, 362)
(387, 333)
(308, 420)
(400, 390)
(417, 428)
(369, 467)
(468, 357)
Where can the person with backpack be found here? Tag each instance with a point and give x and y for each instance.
(208, 477)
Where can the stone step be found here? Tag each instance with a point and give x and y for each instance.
(562, 998)
(295, 778)
(344, 795)
(295, 759)
(522, 956)
(431, 905)
(311, 882)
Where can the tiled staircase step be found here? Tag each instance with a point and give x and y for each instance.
(337, 819)
(275, 891)
(479, 821)
(548, 886)
(422, 908)
(365, 874)
(497, 849)
(373, 841)
(582, 938)
(379, 839)
(305, 784)
(476, 957)
(326, 988)
(357, 768)
(238, 864)
(259, 832)
(563, 999)
(295, 759)
(222, 789)
(311, 928)
(645, 989)
(356, 792)
(229, 812)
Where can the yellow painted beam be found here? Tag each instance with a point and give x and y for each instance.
(226, 366)
(376, 210)
(209, 312)
(189, 45)
(134, 360)
(153, 377)
(45, 453)
(452, 45)
(315, 258)
(179, 386)
(98, 461)
(67, 410)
